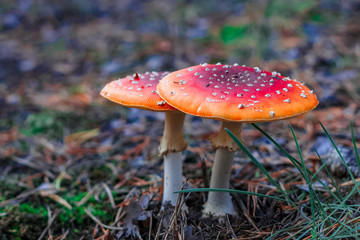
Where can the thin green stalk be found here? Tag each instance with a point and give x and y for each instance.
(307, 179)
(274, 235)
(354, 144)
(340, 155)
(296, 163)
(331, 178)
(260, 166)
(230, 191)
(343, 201)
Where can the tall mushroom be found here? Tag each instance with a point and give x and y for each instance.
(233, 94)
(139, 91)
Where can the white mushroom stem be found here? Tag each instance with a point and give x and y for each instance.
(220, 203)
(172, 176)
(171, 146)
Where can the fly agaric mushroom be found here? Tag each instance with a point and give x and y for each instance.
(139, 91)
(233, 94)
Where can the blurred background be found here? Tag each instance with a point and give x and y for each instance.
(56, 55)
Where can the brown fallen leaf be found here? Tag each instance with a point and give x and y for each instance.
(9, 136)
(63, 101)
(83, 136)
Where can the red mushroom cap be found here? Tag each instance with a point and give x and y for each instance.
(137, 91)
(235, 93)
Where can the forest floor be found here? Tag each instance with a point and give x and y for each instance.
(75, 166)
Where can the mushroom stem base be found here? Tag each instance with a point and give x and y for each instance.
(173, 136)
(172, 176)
(220, 203)
(223, 140)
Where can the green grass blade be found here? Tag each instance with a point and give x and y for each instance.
(338, 198)
(336, 208)
(260, 166)
(340, 155)
(291, 158)
(303, 235)
(296, 163)
(354, 144)
(308, 182)
(230, 191)
(276, 234)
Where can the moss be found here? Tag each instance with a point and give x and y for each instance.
(19, 223)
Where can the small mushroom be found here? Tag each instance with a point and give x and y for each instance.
(252, 95)
(139, 91)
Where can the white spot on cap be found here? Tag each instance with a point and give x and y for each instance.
(267, 95)
(303, 95)
(240, 106)
(287, 100)
(161, 103)
(285, 89)
(257, 69)
(178, 75)
(272, 113)
(239, 95)
(190, 69)
(219, 63)
(172, 93)
(196, 74)
(204, 64)
(290, 85)
(236, 64)
(278, 92)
